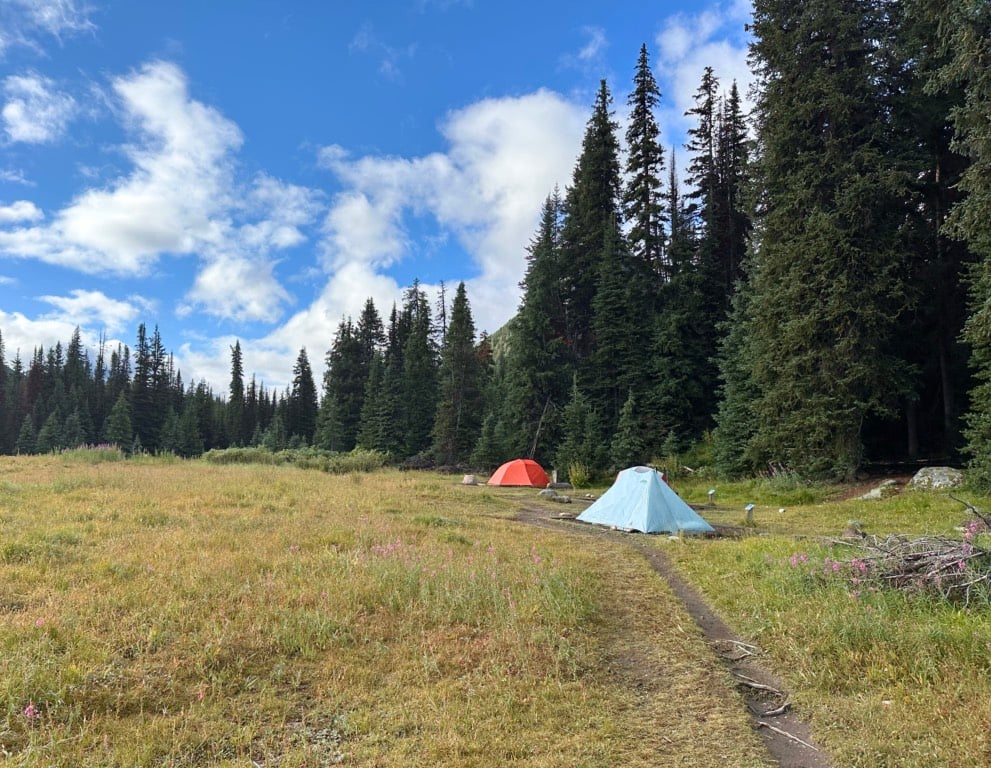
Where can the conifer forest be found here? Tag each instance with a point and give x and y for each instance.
(802, 288)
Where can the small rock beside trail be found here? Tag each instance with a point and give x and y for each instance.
(549, 493)
(936, 478)
(469, 480)
(883, 491)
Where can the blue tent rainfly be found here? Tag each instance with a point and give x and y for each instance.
(640, 500)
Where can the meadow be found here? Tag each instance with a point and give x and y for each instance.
(160, 612)
(167, 613)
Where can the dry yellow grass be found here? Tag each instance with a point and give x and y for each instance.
(180, 613)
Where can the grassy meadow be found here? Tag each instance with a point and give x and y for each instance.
(169, 613)
(886, 678)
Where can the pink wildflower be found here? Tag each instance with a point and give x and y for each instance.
(31, 712)
(39, 622)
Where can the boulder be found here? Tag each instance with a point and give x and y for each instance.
(469, 480)
(936, 478)
(549, 493)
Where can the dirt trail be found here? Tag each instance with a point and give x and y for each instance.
(787, 737)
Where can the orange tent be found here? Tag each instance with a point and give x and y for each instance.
(525, 472)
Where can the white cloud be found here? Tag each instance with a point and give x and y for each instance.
(182, 197)
(503, 157)
(595, 46)
(687, 44)
(4, 280)
(23, 21)
(13, 176)
(34, 111)
(257, 296)
(95, 309)
(20, 210)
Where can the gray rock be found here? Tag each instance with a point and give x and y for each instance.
(883, 491)
(561, 499)
(550, 493)
(937, 478)
(469, 480)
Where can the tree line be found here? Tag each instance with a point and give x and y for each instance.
(813, 296)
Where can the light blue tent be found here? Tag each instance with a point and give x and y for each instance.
(640, 500)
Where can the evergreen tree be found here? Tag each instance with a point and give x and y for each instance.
(681, 395)
(168, 435)
(827, 279)
(584, 443)
(7, 423)
(50, 435)
(964, 28)
(419, 374)
(628, 447)
(143, 417)
(458, 416)
(373, 433)
(27, 439)
(344, 382)
(538, 365)
(591, 207)
(117, 428)
(643, 194)
(301, 403)
(189, 443)
(237, 423)
(621, 309)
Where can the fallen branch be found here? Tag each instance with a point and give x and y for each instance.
(762, 724)
(749, 682)
(777, 710)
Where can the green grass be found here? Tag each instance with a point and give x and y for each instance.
(188, 613)
(888, 678)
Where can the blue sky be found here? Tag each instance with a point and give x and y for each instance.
(255, 170)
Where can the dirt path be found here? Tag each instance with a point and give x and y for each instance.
(787, 737)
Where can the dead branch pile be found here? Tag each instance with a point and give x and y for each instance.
(956, 569)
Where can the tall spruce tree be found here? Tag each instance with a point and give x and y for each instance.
(827, 279)
(344, 382)
(643, 194)
(539, 364)
(458, 419)
(237, 426)
(419, 373)
(964, 28)
(592, 206)
(301, 401)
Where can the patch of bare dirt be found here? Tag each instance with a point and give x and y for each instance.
(785, 734)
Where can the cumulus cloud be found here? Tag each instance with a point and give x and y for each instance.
(687, 44)
(181, 196)
(34, 111)
(95, 309)
(21, 210)
(504, 157)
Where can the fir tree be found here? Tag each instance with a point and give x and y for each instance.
(27, 439)
(965, 37)
(628, 447)
(301, 403)
(827, 278)
(591, 207)
(538, 366)
(643, 194)
(117, 427)
(419, 374)
(458, 416)
(237, 426)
